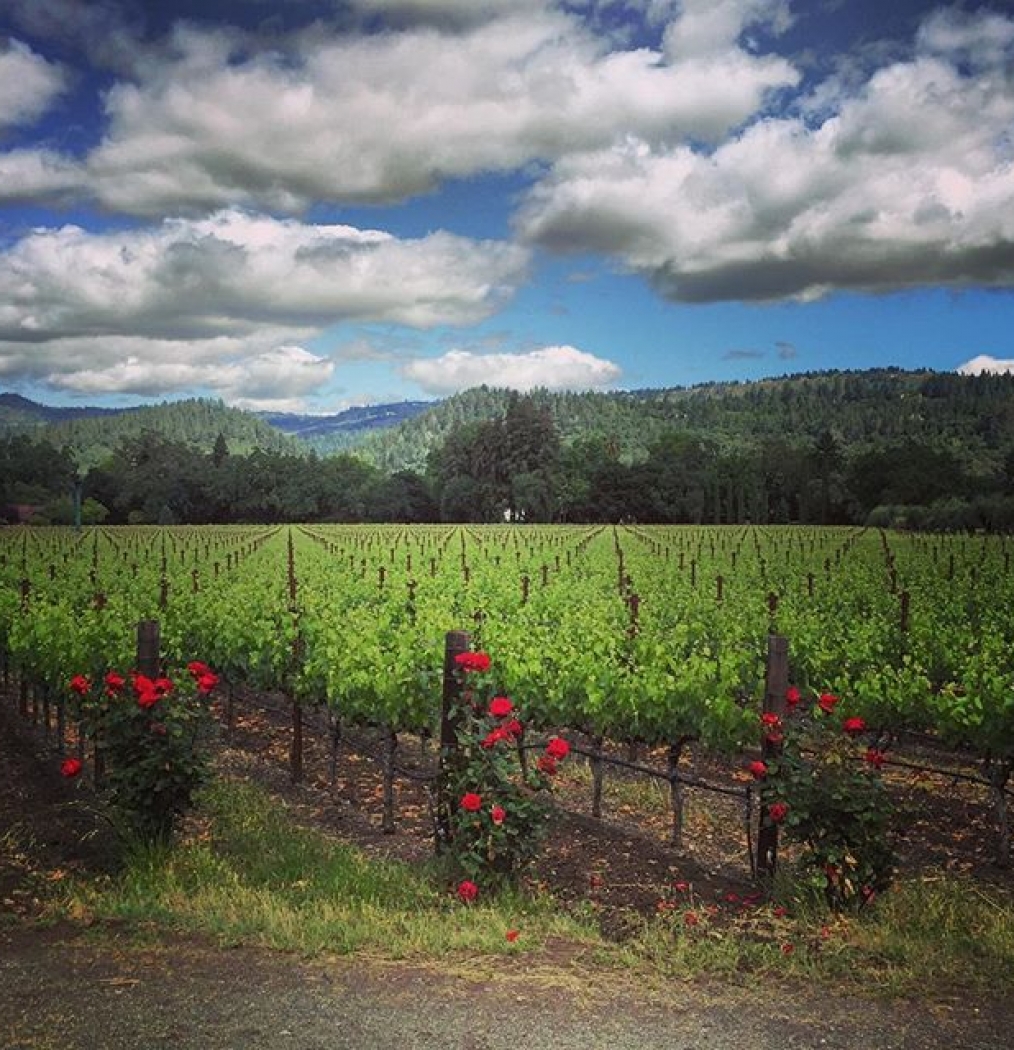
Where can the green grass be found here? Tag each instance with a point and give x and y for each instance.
(257, 877)
(923, 938)
(254, 876)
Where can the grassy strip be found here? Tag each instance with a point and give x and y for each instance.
(256, 877)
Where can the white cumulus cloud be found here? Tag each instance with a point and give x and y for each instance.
(551, 368)
(225, 302)
(984, 363)
(28, 85)
(216, 120)
(909, 181)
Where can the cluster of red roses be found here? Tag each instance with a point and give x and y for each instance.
(507, 730)
(147, 691)
(774, 734)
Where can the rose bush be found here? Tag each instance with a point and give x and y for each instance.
(499, 808)
(150, 735)
(825, 791)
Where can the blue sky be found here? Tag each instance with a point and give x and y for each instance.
(322, 203)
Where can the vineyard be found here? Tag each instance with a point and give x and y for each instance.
(630, 640)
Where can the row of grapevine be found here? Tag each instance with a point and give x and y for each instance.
(650, 634)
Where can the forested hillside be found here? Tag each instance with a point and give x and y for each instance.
(860, 409)
(905, 449)
(196, 423)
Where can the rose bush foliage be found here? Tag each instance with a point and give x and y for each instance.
(824, 789)
(499, 809)
(150, 735)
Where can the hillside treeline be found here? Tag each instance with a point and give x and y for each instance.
(520, 463)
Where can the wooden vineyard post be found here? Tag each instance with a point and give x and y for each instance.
(148, 646)
(775, 685)
(455, 642)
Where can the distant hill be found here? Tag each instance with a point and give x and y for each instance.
(860, 409)
(342, 431)
(93, 433)
(20, 415)
(198, 422)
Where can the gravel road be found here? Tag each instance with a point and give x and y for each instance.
(64, 989)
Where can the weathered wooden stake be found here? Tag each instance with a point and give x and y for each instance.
(455, 643)
(776, 683)
(390, 746)
(148, 646)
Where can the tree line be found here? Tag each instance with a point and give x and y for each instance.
(517, 466)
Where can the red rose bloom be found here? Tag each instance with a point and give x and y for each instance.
(80, 684)
(471, 801)
(758, 770)
(114, 683)
(777, 811)
(478, 662)
(875, 758)
(827, 702)
(557, 748)
(547, 765)
(493, 737)
(792, 696)
(498, 815)
(512, 936)
(467, 891)
(197, 668)
(852, 726)
(70, 767)
(206, 682)
(512, 729)
(771, 720)
(500, 706)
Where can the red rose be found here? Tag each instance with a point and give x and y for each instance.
(80, 684)
(197, 668)
(471, 801)
(792, 696)
(557, 748)
(777, 811)
(547, 765)
(771, 720)
(498, 815)
(467, 891)
(852, 726)
(114, 683)
(71, 767)
(512, 936)
(147, 698)
(513, 729)
(500, 706)
(493, 737)
(206, 682)
(758, 770)
(875, 758)
(478, 662)
(827, 702)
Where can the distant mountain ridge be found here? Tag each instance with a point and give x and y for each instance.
(857, 409)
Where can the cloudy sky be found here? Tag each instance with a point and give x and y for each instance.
(310, 204)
